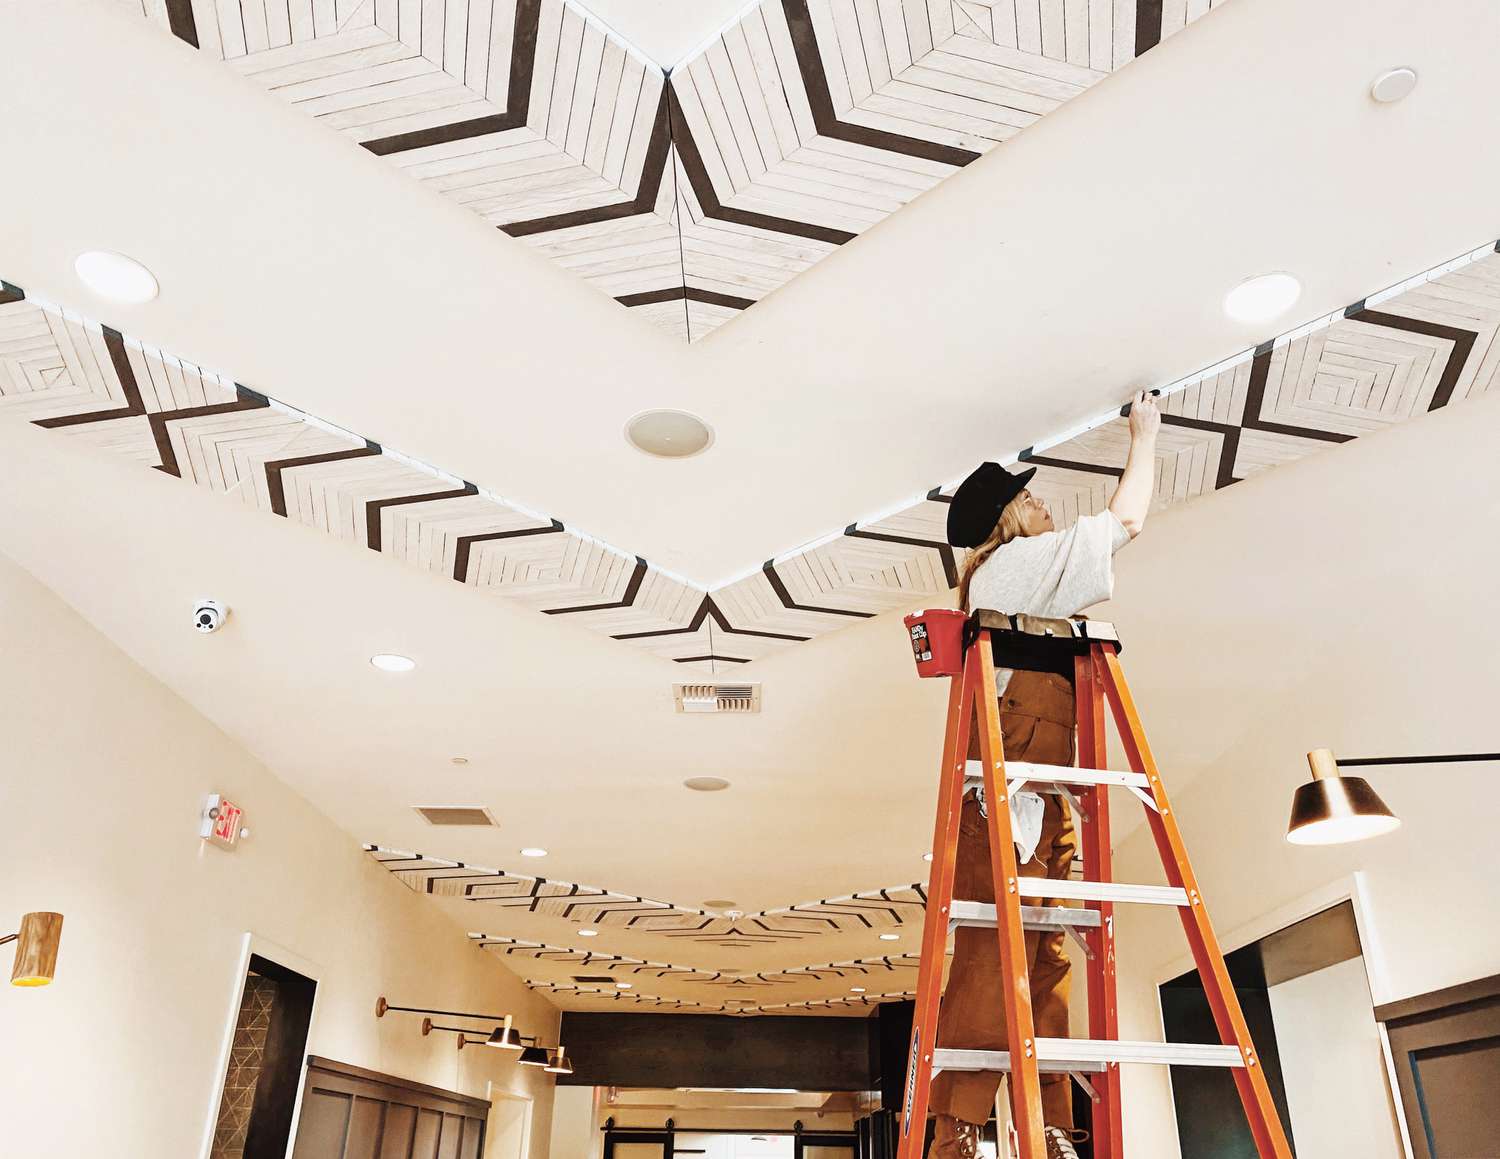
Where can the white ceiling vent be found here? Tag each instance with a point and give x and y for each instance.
(717, 697)
(455, 814)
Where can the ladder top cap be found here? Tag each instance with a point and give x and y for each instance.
(1075, 633)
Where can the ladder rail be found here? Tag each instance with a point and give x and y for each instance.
(1098, 856)
(1254, 1091)
(935, 921)
(1020, 1028)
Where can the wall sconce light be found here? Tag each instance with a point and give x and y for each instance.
(505, 1037)
(534, 1055)
(1334, 809)
(559, 1064)
(36, 949)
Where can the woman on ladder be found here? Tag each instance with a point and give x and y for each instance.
(1020, 563)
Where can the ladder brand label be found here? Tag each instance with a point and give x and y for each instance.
(911, 1079)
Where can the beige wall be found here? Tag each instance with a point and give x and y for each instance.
(1348, 600)
(102, 775)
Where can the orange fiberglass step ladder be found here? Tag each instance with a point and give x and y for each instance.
(969, 649)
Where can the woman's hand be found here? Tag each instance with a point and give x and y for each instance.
(1131, 501)
(1145, 416)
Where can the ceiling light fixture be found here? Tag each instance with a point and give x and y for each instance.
(926, 857)
(718, 903)
(392, 662)
(588, 933)
(624, 985)
(1261, 298)
(706, 784)
(889, 937)
(856, 989)
(458, 760)
(116, 277)
(533, 851)
(668, 434)
(1393, 85)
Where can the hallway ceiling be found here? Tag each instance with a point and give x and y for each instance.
(433, 379)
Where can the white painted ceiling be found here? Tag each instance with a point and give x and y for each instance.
(1028, 292)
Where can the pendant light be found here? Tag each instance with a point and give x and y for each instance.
(505, 1037)
(559, 1064)
(1334, 809)
(533, 1056)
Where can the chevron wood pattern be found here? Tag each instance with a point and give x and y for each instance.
(1426, 344)
(691, 196)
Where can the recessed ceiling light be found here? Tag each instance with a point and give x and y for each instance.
(1262, 298)
(533, 851)
(926, 857)
(458, 760)
(115, 276)
(718, 903)
(668, 434)
(706, 784)
(391, 662)
(1393, 85)
(588, 933)
(856, 989)
(624, 985)
(890, 937)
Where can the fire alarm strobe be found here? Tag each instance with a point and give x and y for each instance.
(220, 824)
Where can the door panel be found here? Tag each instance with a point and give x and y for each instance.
(352, 1113)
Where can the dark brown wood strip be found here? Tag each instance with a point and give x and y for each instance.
(777, 586)
(1463, 343)
(625, 600)
(466, 543)
(1147, 25)
(950, 565)
(708, 199)
(275, 467)
(517, 102)
(180, 20)
(688, 293)
(1255, 397)
(375, 506)
(825, 120)
(114, 342)
(163, 437)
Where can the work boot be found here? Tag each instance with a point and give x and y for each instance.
(955, 1139)
(1060, 1142)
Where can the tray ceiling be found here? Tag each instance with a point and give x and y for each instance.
(1411, 349)
(688, 194)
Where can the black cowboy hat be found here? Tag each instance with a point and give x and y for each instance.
(979, 500)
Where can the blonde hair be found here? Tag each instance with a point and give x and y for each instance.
(1007, 527)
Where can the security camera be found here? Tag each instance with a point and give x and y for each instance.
(209, 615)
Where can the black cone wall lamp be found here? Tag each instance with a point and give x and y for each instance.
(1334, 809)
(504, 1036)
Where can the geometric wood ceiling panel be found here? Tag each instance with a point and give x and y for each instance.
(687, 194)
(1417, 347)
(806, 980)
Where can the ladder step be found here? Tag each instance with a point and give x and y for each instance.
(1066, 889)
(1088, 1055)
(1033, 917)
(1056, 775)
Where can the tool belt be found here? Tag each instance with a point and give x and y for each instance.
(1037, 643)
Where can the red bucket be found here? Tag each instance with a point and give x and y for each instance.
(937, 641)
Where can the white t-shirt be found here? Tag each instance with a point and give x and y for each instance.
(1056, 574)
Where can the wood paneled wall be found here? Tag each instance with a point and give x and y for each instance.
(352, 1113)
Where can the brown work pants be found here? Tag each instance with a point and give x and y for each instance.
(1037, 715)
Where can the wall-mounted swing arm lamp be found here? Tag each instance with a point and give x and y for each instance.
(1334, 809)
(36, 949)
(552, 1059)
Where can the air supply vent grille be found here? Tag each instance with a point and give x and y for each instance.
(717, 697)
(455, 814)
